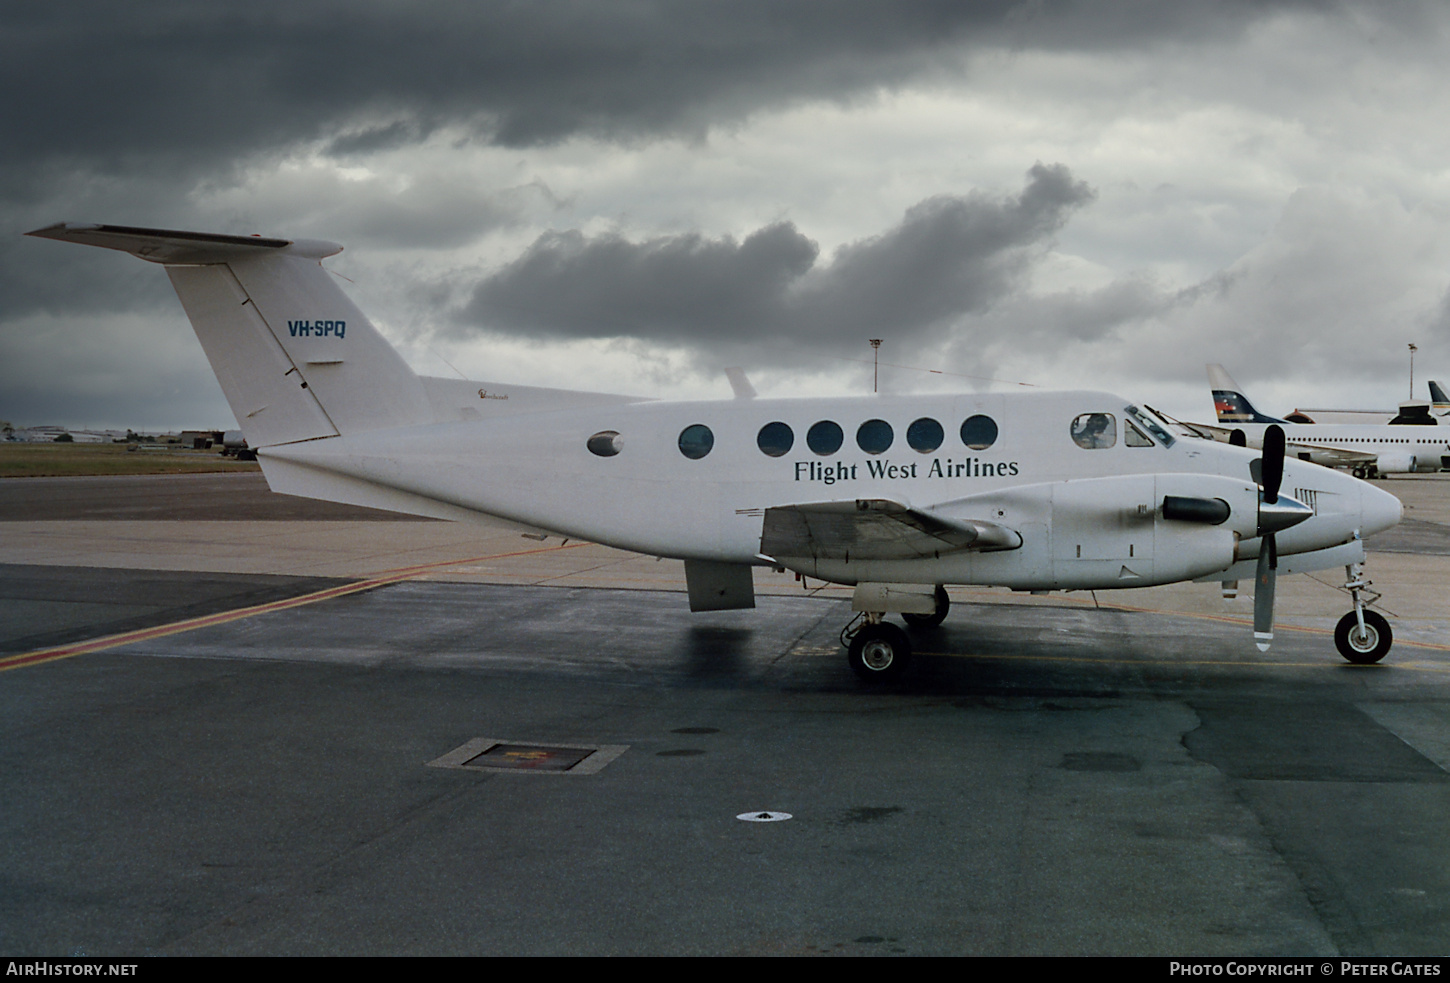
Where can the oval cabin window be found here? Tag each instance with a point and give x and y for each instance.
(825, 437)
(606, 443)
(925, 435)
(696, 441)
(979, 432)
(1094, 431)
(775, 439)
(875, 436)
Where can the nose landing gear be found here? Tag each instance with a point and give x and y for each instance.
(1362, 636)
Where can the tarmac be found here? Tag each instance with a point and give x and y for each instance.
(240, 723)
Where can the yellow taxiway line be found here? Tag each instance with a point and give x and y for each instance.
(206, 621)
(41, 656)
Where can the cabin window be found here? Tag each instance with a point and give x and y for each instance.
(1095, 431)
(875, 436)
(696, 441)
(925, 435)
(606, 443)
(775, 439)
(979, 432)
(825, 437)
(1133, 437)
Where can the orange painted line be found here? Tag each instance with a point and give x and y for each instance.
(394, 576)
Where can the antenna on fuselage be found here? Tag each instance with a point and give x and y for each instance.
(739, 384)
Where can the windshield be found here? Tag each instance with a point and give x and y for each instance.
(1152, 424)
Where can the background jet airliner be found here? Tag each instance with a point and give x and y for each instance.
(1367, 450)
(896, 495)
(1439, 402)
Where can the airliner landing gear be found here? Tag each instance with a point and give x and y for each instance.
(1362, 636)
(943, 604)
(876, 650)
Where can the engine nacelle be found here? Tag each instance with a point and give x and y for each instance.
(1395, 462)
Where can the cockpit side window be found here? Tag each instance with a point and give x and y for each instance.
(1133, 437)
(1152, 423)
(1095, 431)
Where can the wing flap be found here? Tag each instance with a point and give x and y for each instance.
(875, 529)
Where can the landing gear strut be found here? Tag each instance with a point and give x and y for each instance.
(875, 650)
(1362, 636)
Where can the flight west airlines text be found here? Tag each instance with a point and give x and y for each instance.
(972, 467)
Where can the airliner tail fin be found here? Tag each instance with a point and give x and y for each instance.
(295, 357)
(1229, 402)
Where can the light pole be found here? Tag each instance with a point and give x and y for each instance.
(1413, 349)
(876, 356)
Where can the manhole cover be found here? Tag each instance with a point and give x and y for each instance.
(493, 754)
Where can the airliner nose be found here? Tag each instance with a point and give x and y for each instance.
(1379, 510)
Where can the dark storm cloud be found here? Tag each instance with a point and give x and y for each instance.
(185, 86)
(949, 257)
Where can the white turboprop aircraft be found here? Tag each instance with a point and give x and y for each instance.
(1366, 449)
(895, 495)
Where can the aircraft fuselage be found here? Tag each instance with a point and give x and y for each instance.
(693, 481)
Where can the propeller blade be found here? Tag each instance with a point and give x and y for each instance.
(1273, 466)
(1264, 593)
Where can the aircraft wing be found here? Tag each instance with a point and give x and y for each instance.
(1338, 456)
(875, 529)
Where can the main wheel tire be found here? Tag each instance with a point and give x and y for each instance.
(1371, 646)
(879, 652)
(943, 605)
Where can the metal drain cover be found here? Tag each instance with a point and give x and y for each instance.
(763, 817)
(494, 754)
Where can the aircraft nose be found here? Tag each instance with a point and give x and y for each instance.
(1379, 510)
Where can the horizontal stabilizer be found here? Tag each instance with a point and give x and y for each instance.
(171, 247)
(875, 529)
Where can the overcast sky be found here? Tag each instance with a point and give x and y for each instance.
(631, 196)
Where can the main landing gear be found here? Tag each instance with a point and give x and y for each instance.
(943, 604)
(877, 650)
(1362, 636)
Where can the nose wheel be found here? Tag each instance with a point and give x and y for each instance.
(1363, 645)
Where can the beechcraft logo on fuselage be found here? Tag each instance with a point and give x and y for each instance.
(884, 470)
(317, 329)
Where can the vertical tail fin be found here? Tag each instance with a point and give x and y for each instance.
(295, 358)
(1439, 402)
(1229, 402)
